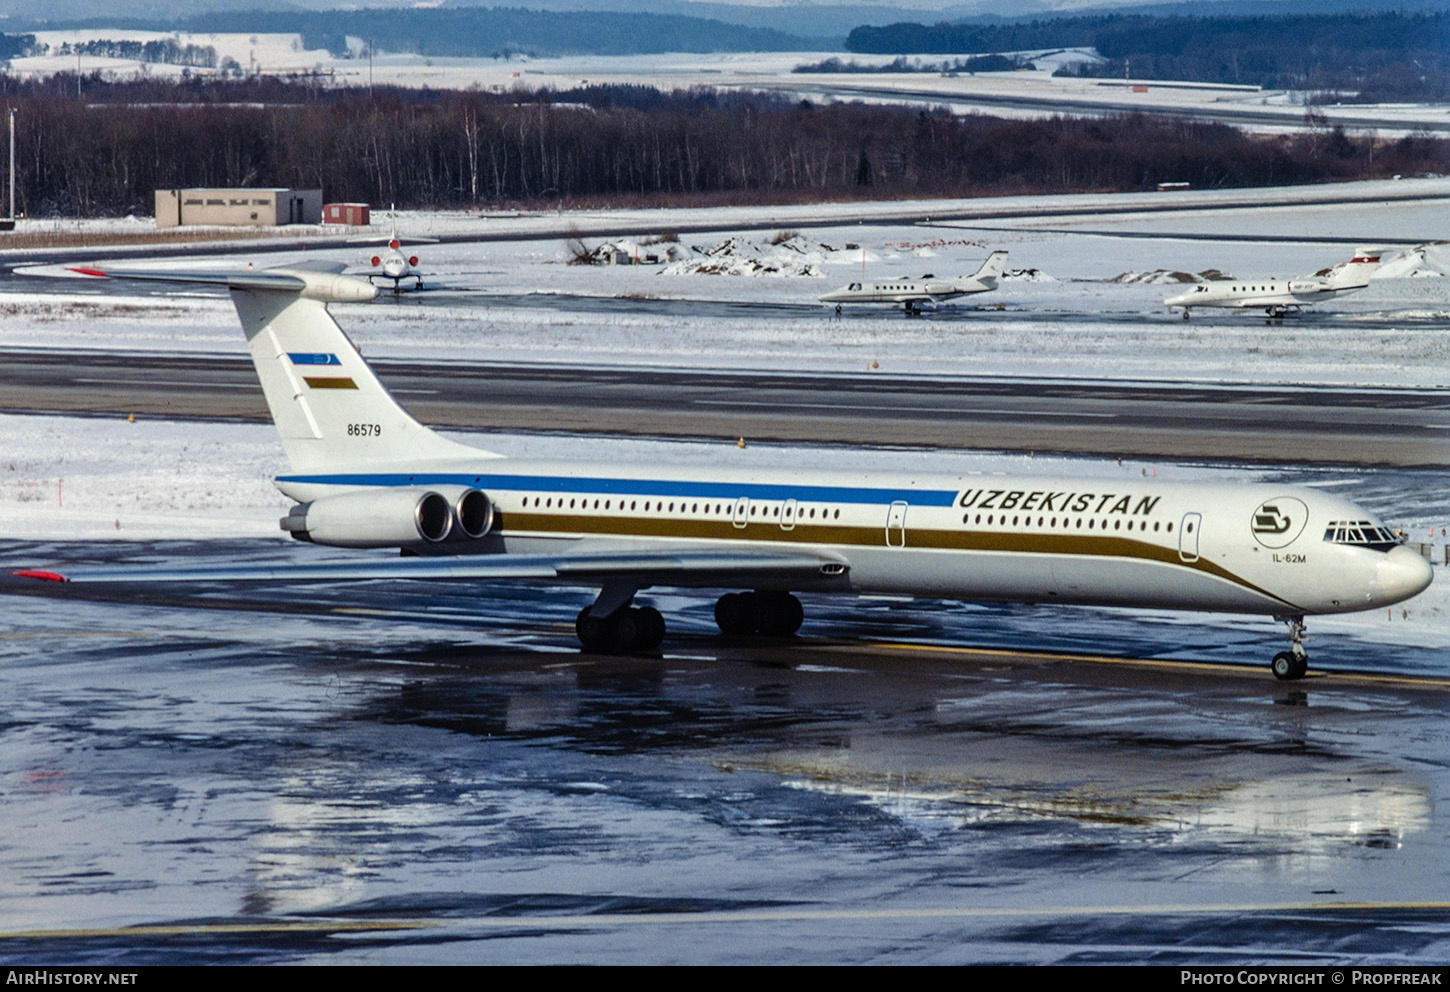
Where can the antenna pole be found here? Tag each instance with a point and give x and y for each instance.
(12, 167)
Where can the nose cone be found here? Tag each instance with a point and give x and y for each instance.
(1403, 573)
(1177, 301)
(833, 296)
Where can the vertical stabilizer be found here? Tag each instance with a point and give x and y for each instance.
(329, 407)
(1355, 273)
(986, 277)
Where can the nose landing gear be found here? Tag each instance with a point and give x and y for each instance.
(1292, 664)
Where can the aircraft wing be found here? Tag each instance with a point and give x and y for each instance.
(674, 566)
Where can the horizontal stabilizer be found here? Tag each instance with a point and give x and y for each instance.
(314, 281)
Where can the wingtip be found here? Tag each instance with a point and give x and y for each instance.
(86, 272)
(40, 574)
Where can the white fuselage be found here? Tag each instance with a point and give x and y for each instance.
(1260, 294)
(1264, 549)
(898, 291)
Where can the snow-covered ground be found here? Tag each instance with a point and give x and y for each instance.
(1041, 93)
(1084, 296)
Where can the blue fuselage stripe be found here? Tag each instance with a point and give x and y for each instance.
(687, 489)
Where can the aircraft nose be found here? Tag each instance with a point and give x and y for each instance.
(1403, 573)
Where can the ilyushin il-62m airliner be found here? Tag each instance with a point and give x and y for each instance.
(365, 474)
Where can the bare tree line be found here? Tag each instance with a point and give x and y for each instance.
(106, 152)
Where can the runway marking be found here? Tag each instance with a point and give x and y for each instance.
(722, 917)
(1363, 677)
(903, 407)
(190, 383)
(53, 634)
(222, 929)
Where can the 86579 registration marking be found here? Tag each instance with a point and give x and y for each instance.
(364, 430)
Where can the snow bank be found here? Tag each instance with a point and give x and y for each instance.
(1166, 277)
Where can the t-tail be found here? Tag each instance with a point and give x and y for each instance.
(1355, 273)
(331, 411)
(991, 271)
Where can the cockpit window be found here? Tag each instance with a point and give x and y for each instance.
(1361, 534)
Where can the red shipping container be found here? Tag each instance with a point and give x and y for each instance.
(355, 214)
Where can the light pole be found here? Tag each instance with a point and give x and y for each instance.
(9, 223)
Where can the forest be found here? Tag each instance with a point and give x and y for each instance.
(105, 151)
(1384, 56)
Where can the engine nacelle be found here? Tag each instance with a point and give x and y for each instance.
(472, 512)
(391, 518)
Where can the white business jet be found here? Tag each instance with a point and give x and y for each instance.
(392, 264)
(365, 474)
(1276, 297)
(912, 295)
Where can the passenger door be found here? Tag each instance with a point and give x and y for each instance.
(896, 525)
(1188, 531)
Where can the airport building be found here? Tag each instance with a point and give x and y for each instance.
(355, 214)
(238, 207)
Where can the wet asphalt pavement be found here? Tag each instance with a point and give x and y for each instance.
(393, 774)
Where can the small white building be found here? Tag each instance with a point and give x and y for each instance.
(238, 207)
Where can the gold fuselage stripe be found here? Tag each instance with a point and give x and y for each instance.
(528, 524)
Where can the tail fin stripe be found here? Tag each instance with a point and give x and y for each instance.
(304, 358)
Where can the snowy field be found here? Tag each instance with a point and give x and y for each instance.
(285, 55)
(1084, 295)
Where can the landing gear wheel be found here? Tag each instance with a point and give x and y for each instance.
(1291, 664)
(1286, 667)
(1185, 314)
(593, 632)
(778, 614)
(632, 628)
(774, 614)
(735, 614)
(652, 628)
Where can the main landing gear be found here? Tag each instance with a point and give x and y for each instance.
(629, 628)
(1292, 664)
(611, 623)
(774, 614)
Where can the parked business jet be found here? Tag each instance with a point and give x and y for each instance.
(365, 474)
(911, 295)
(1276, 297)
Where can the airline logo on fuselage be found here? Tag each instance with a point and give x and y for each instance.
(1276, 523)
(1048, 501)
